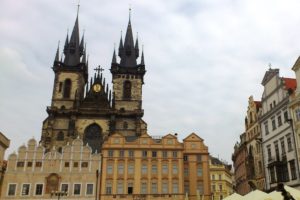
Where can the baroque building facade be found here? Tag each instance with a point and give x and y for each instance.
(221, 178)
(155, 168)
(4, 144)
(278, 142)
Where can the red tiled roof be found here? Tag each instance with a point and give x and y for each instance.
(290, 83)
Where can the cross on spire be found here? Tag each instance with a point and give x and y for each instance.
(270, 65)
(99, 69)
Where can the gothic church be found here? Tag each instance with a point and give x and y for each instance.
(89, 109)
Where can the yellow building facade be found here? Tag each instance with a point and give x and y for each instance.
(155, 168)
(221, 179)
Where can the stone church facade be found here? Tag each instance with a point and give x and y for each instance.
(89, 109)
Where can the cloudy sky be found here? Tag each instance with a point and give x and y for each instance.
(204, 58)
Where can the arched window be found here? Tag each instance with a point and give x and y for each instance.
(127, 90)
(60, 136)
(93, 137)
(67, 88)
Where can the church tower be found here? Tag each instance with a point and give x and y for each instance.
(128, 79)
(89, 110)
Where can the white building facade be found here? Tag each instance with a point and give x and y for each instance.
(278, 144)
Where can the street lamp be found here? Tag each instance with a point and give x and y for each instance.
(58, 194)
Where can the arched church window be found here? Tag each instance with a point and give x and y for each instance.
(127, 90)
(93, 137)
(67, 88)
(60, 136)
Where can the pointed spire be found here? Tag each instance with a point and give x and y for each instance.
(128, 59)
(84, 55)
(121, 47)
(142, 59)
(114, 59)
(72, 49)
(91, 83)
(66, 42)
(81, 46)
(57, 53)
(137, 52)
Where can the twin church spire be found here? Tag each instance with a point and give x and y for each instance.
(74, 48)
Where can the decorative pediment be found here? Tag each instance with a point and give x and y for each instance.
(269, 75)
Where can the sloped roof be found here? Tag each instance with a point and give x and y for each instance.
(290, 83)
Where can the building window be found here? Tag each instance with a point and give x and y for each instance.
(199, 158)
(154, 188)
(199, 171)
(282, 146)
(297, 112)
(213, 188)
(131, 153)
(20, 164)
(279, 120)
(120, 187)
(286, 116)
(165, 169)
(127, 90)
(131, 168)
(75, 164)
(144, 188)
(144, 169)
(165, 187)
(213, 177)
(130, 188)
(110, 153)
(220, 187)
(12, 189)
(109, 169)
(60, 86)
(289, 143)
(154, 169)
(186, 172)
(154, 154)
(38, 189)
(38, 164)
(175, 188)
(60, 136)
(89, 189)
(25, 189)
(164, 154)
(273, 124)
(84, 164)
(272, 174)
(276, 150)
(174, 154)
(144, 154)
(77, 188)
(220, 177)
(29, 164)
(269, 152)
(200, 187)
(108, 188)
(175, 169)
(67, 88)
(64, 187)
(121, 153)
(293, 169)
(266, 127)
(186, 188)
(185, 158)
(120, 169)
